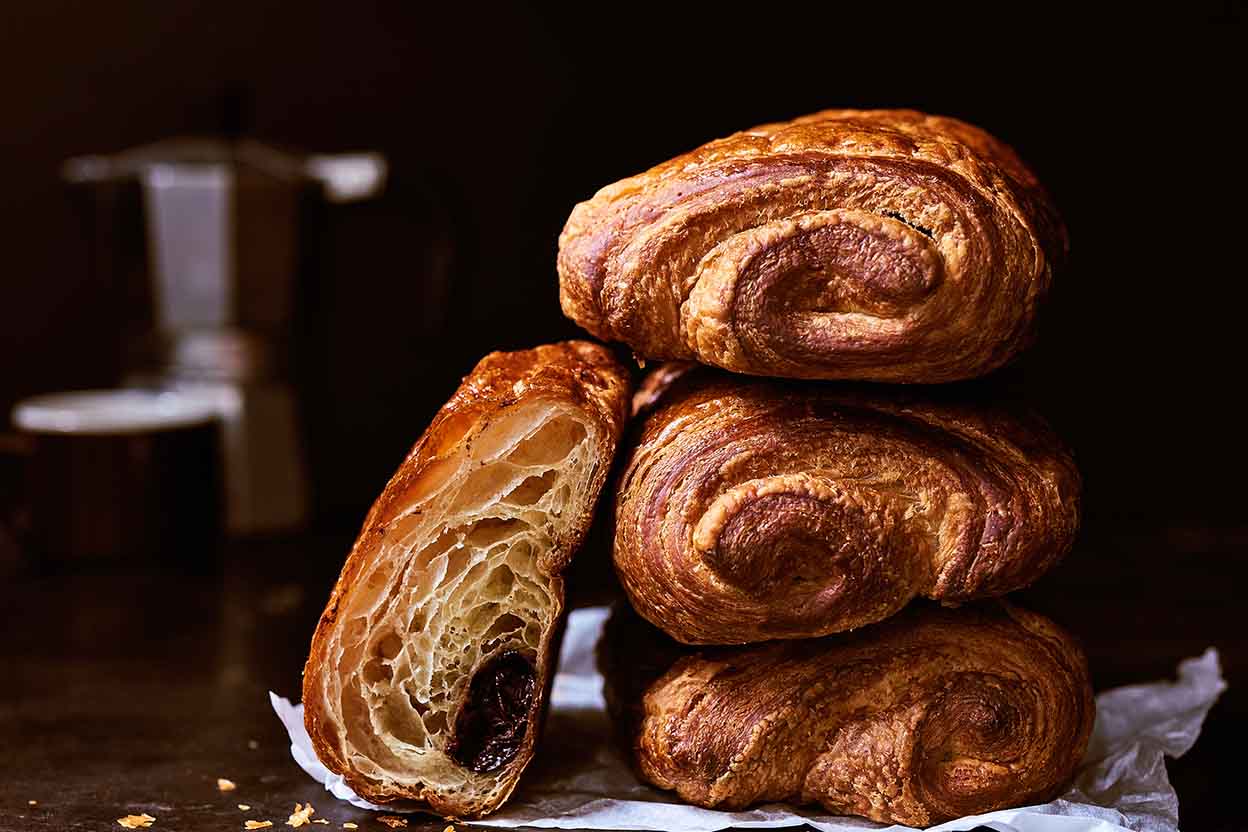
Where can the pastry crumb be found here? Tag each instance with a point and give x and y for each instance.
(349, 825)
(32, 802)
(226, 785)
(301, 816)
(392, 821)
(449, 828)
(252, 744)
(136, 821)
(244, 807)
(320, 820)
(257, 824)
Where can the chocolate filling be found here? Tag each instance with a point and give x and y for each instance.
(926, 232)
(491, 724)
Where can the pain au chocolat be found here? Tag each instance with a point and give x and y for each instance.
(931, 715)
(884, 245)
(750, 510)
(429, 669)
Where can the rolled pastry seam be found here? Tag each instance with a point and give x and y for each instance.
(931, 715)
(883, 245)
(751, 510)
(428, 673)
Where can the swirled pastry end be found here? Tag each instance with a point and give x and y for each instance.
(884, 245)
(428, 672)
(931, 715)
(751, 510)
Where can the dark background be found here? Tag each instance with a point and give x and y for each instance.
(497, 119)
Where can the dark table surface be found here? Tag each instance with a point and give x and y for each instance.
(131, 689)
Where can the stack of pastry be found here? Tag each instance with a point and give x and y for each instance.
(811, 565)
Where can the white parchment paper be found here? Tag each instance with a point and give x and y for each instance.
(578, 780)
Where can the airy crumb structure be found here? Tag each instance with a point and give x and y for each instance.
(426, 680)
(457, 584)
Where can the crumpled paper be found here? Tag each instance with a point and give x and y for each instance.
(578, 780)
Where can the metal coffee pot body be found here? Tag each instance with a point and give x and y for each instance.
(207, 237)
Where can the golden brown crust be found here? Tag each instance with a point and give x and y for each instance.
(931, 715)
(884, 245)
(751, 510)
(575, 374)
(580, 372)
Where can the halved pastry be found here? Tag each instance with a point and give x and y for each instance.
(428, 672)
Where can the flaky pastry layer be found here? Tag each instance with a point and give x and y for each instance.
(750, 510)
(884, 245)
(931, 715)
